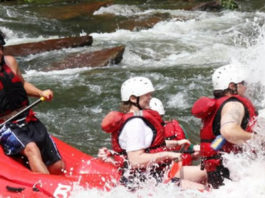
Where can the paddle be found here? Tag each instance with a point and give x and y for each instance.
(175, 168)
(41, 99)
(186, 151)
(218, 142)
(177, 165)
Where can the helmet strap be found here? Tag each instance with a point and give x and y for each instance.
(233, 91)
(236, 91)
(137, 104)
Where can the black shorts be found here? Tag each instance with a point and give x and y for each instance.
(15, 140)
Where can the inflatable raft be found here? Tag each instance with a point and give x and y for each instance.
(82, 170)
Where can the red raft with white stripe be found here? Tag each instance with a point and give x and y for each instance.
(16, 180)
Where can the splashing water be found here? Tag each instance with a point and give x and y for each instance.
(247, 168)
(188, 39)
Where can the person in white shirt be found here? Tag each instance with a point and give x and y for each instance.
(141, 135)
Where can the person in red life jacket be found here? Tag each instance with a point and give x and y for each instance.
(26, 135)
(137, 133)
(229, 114)
(174, 131)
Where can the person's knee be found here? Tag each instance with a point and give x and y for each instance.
(31, 149)
(57, 168)
(60, 164)
(193, 173)
(186, 184)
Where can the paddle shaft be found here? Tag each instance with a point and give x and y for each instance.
(22, 111)
(183, 150)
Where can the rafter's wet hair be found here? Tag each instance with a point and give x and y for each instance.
(221, 93)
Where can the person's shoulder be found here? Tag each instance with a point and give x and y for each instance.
(135, 123)
(233, 105)
(11, 61)
(135, 120)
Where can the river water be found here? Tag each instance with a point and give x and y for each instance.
(178, 54)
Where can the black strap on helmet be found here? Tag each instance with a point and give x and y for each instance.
(137, 104)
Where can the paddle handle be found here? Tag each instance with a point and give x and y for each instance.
(218, 143)
(186, 151)
(41, 99)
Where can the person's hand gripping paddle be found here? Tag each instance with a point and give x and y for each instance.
(41, 99)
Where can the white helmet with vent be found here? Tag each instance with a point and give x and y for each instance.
(136, 86)
(157, 105)
(224, 75)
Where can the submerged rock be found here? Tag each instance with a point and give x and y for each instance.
(47, 45)
(92, 59)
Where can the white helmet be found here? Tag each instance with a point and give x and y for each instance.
(157, 105)
(224, 75)
(136, 86)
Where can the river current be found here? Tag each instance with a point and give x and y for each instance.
(179, 55)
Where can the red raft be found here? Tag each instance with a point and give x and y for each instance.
(81, 170)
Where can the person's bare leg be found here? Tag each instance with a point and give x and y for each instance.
(32, 152)
(186, 184)
(191, 177)
(193, 173)
(57, 168)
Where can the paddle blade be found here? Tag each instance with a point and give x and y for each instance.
(173, 171)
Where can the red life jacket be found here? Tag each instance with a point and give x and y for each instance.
(209, 110)
(12, 93)
(114, 122)
(173, 131)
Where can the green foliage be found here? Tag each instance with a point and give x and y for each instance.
(229, 4)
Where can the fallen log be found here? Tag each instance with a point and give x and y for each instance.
(92, 59)
(47, 45)
(138, 23)
(66, 12)
(214, 5)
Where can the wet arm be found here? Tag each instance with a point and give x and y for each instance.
(140, 159)
(30, 88)
(231, 117)
(173, 143)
